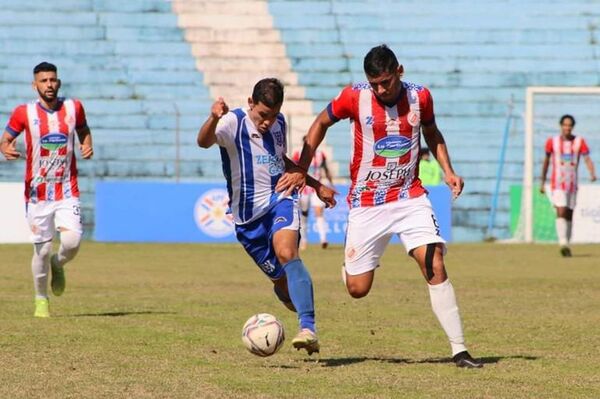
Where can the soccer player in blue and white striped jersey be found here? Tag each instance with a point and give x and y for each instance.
(253, 147)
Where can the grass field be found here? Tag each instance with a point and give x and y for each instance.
(164, 321)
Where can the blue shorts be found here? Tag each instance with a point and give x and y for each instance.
(257, 236)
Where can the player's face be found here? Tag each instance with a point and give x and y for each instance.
(566, 127)
(386, 86)
(263, 116)
(47, 85)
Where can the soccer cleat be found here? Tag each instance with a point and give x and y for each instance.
(565, 252)
(58, 277)
(464, 359)
(324, 244)
(308, 340)
(41, 308)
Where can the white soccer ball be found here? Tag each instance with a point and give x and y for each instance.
(263, 334)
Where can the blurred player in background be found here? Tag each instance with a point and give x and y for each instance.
(430, 172)
(51, 192)
(565, 150)
(309, 198)
(386, 196)
(253, 145)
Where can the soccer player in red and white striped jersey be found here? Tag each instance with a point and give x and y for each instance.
(51, 191)
(386, 197)
(564, 151)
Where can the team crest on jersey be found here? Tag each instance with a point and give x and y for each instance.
(53, 141)
(211, 213)
(413, 118)
(392, 146)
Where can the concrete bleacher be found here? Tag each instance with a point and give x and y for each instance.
(130, 65)
(474, 56)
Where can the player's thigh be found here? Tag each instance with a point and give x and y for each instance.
(367, 235)
(40, 217)
(559, 198)
(68, 215)
(284, 230)
(419, 225)
(255, 239)
(317, 204)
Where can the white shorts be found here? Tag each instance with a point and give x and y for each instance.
(310, 200)
(562, 199)
(371, 228)
(45, 217)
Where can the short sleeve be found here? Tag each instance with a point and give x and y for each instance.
(584, 150)
(341, 107)
(226, 129)
(80, 119)
(548, 146)
(426, 107)
(18, 121)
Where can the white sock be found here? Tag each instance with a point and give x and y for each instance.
(443, 303)
(69, 246)
(561, 231)
(40, 264)
(321, 228)
(569, 231)
(303, 230)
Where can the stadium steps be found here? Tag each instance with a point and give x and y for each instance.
(235, 46)
(474, 63)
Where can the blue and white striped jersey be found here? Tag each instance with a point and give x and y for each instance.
(252, 163)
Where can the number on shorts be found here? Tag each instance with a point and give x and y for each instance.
(436, 224)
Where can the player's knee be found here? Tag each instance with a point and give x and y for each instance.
(70, 241)
(357, 290)
(285, 255)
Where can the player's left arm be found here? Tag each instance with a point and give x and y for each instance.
(436, 143)
(83, 132)
(590, 165)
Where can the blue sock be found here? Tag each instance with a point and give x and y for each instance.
(301, 292)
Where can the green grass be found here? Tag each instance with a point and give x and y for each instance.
(164, 321)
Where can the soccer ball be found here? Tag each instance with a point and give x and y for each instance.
(263, 334)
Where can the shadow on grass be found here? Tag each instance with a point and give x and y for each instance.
(344, 361)
(117, 314)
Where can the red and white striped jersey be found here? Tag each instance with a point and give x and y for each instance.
(51, 169)
(384, 163)
(565, 156)
(315, 169)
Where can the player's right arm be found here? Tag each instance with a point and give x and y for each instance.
(206, 135)
(16, 124)
(8, 147)
(545, 166)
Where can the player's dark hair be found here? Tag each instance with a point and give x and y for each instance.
(44, 67)
(268, 91)
(379, 60)
(567, 116)
(423, 151)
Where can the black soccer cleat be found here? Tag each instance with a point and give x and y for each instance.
(463, 359)
(565, 252)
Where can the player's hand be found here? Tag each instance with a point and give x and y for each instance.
(87, 151)
(293, 179)
(219, 108)
(456, 184)
(10, 151)
(327, 195)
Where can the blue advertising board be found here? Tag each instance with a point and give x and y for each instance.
(194, 212)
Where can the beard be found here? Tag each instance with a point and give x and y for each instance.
(48, 98)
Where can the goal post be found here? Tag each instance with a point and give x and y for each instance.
(529, 156)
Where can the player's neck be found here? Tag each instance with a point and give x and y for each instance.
(51, 106)
(568, 137)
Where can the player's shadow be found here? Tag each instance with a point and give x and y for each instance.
(345, 361)
(119, 314)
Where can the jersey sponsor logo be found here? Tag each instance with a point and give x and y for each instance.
(393, 174)
(276, 165)
(392, 146)
(53, 141)
(211, 213)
